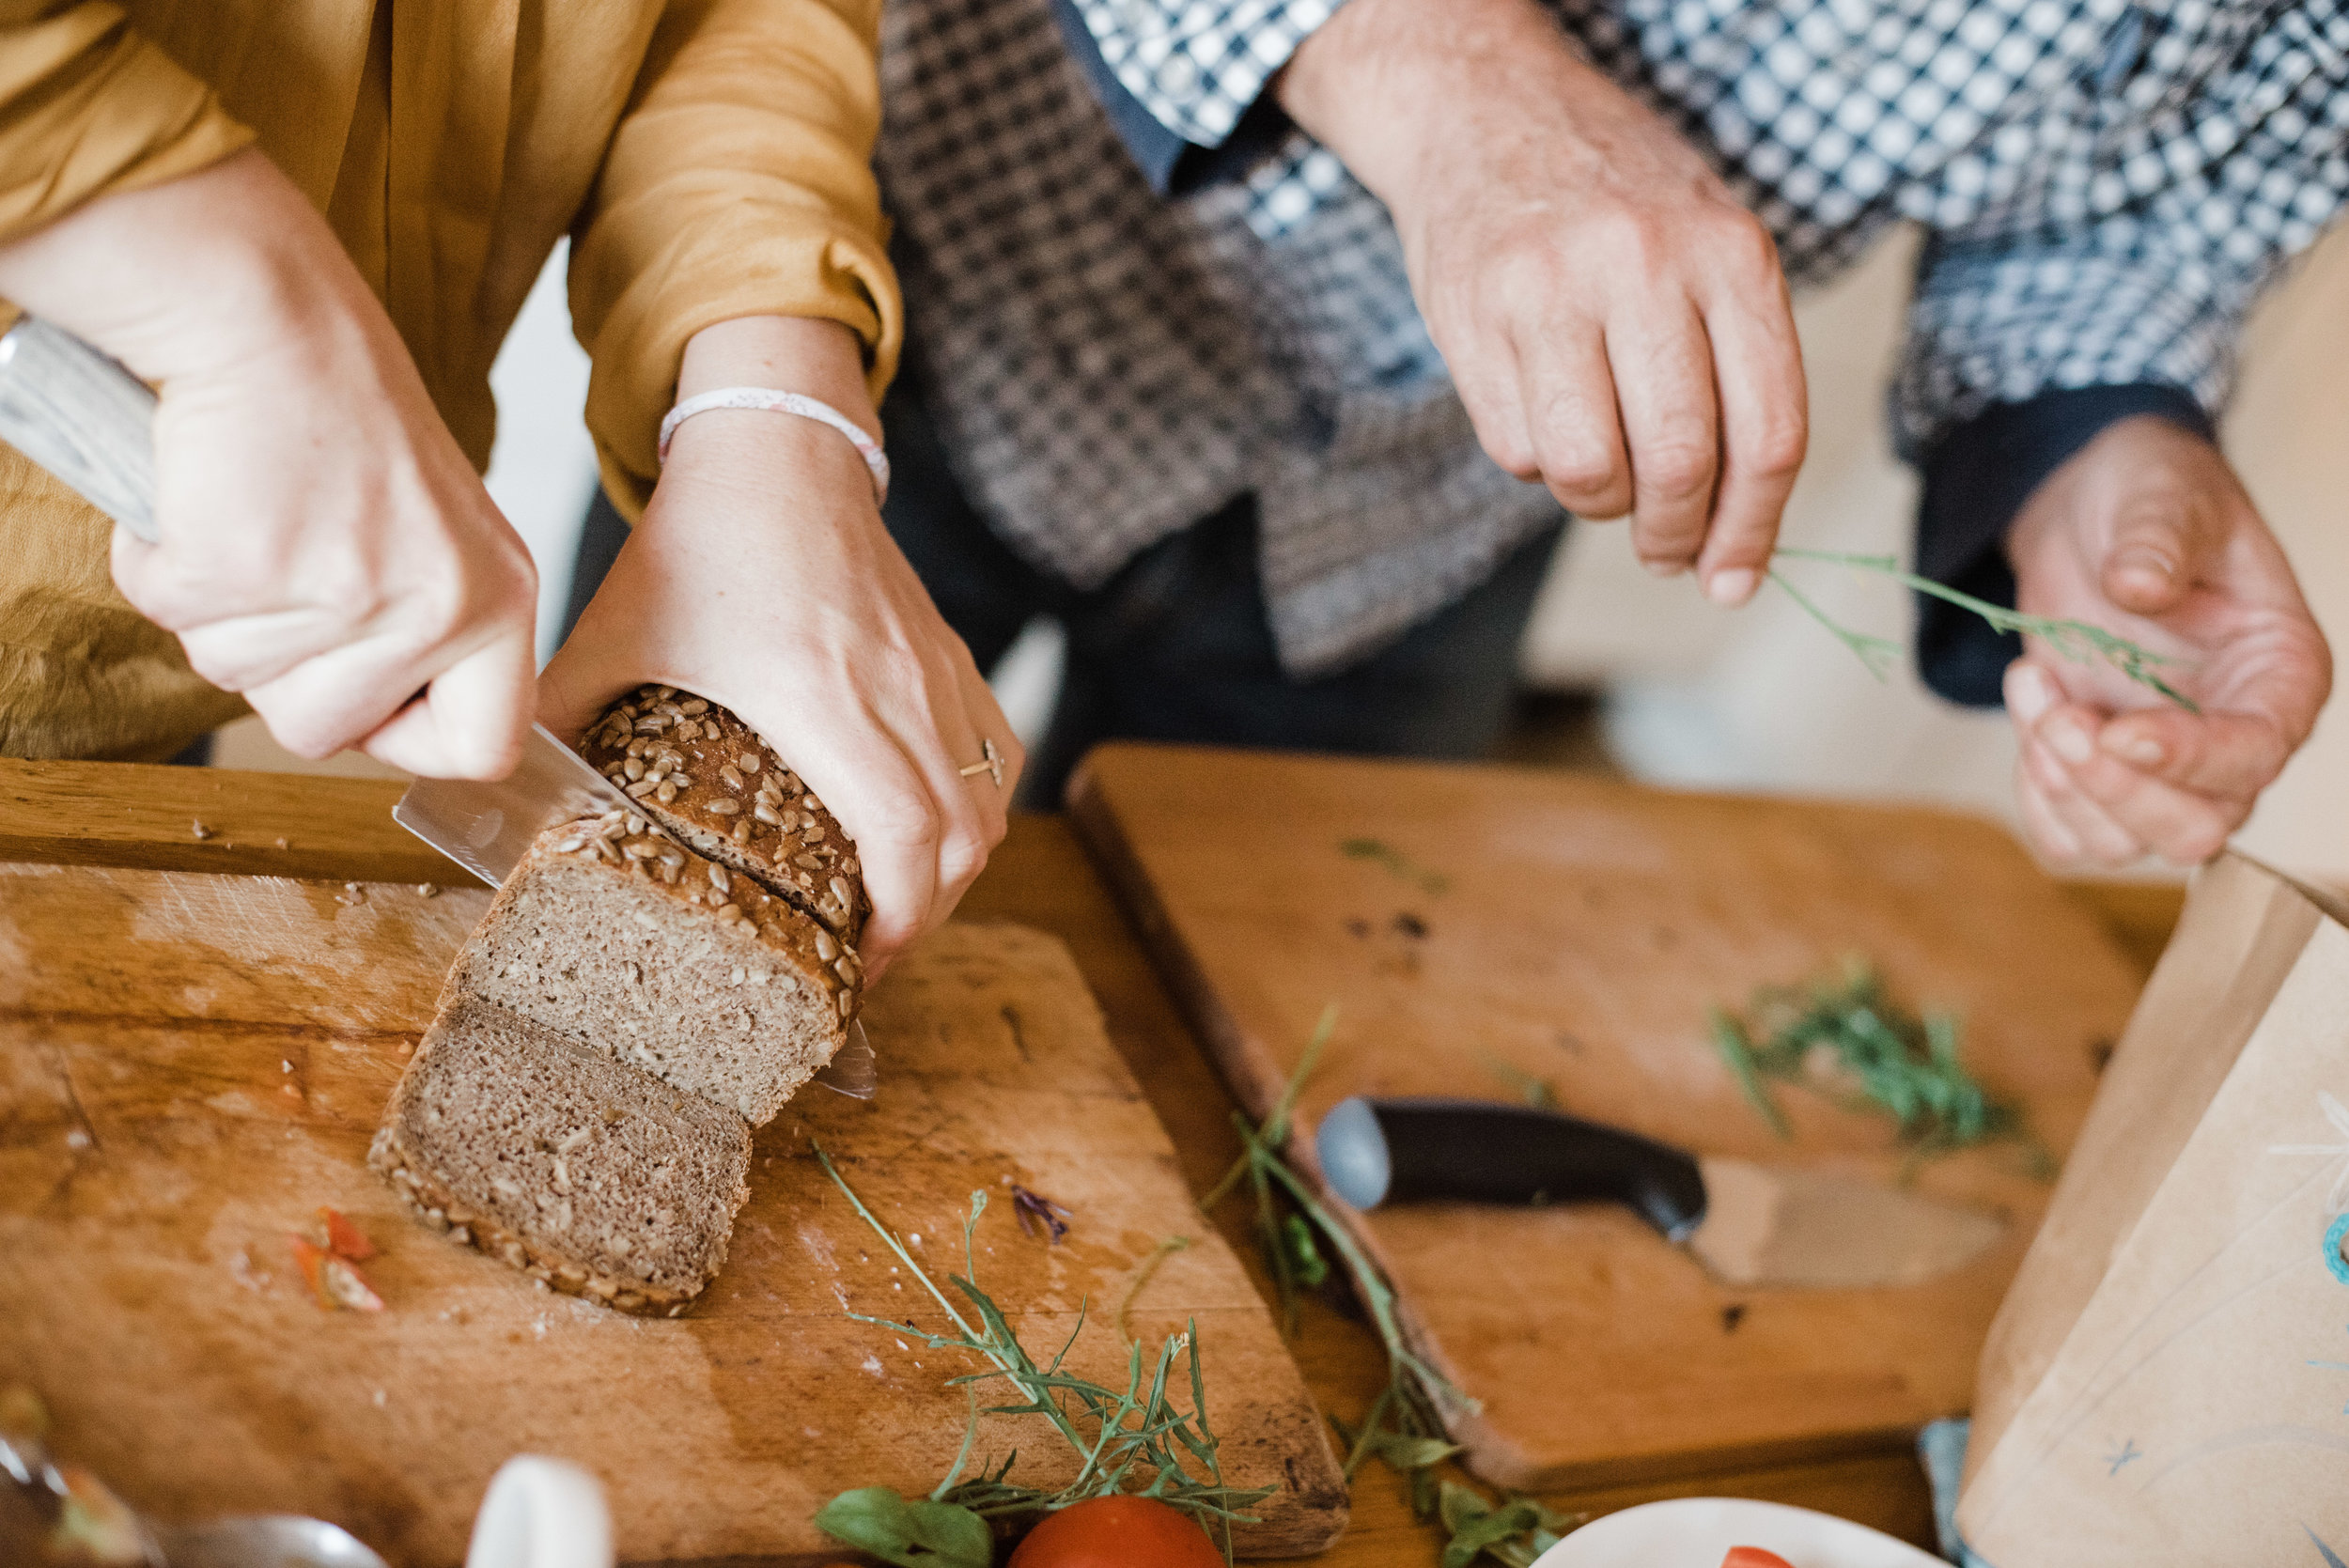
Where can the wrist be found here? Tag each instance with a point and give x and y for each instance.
(1395, 87)
(813, 357)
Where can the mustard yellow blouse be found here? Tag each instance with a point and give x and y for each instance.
(710, 158)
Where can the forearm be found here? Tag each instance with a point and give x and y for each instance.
(194, 275)
(1395, 87)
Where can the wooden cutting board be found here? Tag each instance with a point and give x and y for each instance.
(190, 1065)
(1479, 926)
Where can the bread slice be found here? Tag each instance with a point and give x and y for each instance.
(614, 934)
(715, 784)
(588, 1175)
(630, 997)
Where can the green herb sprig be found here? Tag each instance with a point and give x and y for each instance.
(2077, 641)
(1404, 1427)
(1846, 1037)
(1433, 883)
(1514, 1534)
(1132, 1440)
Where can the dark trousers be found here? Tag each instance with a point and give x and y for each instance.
(1176, 645)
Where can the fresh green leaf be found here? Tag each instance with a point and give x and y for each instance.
(1537, 1092)
(1514, 1533)
(1133, 1434)
(917, 1533)
(1306, 1263)
(1433, 883)
(2080, 642)
(1845, 1037)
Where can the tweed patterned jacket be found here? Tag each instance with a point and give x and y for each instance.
(1136, 292)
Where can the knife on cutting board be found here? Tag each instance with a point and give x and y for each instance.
(1748, 1225)
(87, 420)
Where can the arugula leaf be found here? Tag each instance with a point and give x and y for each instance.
(913, 1534)
(1513, 1535)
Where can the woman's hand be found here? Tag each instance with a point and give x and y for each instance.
(762, 579)
(326, 549)
(2147, 531)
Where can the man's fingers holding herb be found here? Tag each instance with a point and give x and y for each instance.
(1765, 432)
(1664, 383)
(2054, 842)
(2182, 826)
(2220, 754)
(1577, 439)
(2102, 840)
(2114, 809)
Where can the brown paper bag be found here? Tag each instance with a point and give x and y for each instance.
(2167, 1382)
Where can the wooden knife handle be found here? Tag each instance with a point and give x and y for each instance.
(83, 417)
(1401, 1151)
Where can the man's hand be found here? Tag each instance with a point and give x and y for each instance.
(761, 578)
(1616, 323)
(326, 549)
(2147, 533)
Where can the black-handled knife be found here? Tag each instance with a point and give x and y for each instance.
(1748, 1225)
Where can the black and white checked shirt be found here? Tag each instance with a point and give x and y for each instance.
(1112, 355)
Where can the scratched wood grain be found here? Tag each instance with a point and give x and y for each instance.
(190, 1065)
(1518, 923)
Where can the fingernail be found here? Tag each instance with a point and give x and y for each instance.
(1733, 586)
(1662, 567)
(2030, 694)
(2146, 558)
(2140, 749)
(2070, 740)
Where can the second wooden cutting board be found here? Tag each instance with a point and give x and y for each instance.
(1476, 926)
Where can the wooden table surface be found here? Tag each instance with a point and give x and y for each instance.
(341, 829)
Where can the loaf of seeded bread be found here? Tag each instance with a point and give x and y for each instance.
(719, 788)
(586, 1174)
(674, 973)
(615, 933)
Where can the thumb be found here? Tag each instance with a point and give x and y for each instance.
(2157, 544)
(578, 683)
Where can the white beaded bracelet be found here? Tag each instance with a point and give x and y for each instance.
(766, 399)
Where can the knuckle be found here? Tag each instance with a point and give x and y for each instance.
(905, 817)
(963, 855)
(1743, 241)
(1776, 452)
(1586, 478)
(1512, 455)
(1676, 471)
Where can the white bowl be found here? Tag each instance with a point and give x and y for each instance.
(1697, 1532)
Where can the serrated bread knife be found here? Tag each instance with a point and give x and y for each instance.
(85, 419)
(1747, 1224)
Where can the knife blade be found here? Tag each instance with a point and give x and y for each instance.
(488, 827)
(1748, 1225)
(88, 421)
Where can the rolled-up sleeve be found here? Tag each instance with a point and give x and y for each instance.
(89, 107)
(739, 183)
(1198, 65)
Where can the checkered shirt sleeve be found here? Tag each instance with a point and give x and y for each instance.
(2138, 264)
(1197, 65)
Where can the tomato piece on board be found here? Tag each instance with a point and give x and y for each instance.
(344, 1238)
(335, 1282)
(1117, 1532)
(1754, 1557)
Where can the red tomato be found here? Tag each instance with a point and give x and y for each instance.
(1754, 1557)
(1117, 1532)
(345, 1239)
